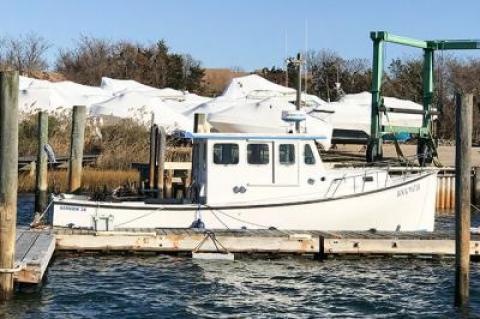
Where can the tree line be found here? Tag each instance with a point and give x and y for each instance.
(329, 75)
(91, 58)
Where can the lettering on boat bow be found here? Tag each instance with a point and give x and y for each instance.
(404, 191)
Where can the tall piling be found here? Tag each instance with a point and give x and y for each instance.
(463, 149)
(79, 117)
(199, 126)
(160, 159)
(41, 181)
(151, 164)
(8, 178)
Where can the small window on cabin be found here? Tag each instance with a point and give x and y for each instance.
(225, 153)
(287, 154)
(258, 154)
(308, 156)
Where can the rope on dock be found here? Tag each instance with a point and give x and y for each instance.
(216, 243)
(37, 220)
(475, 207)
(12, 270)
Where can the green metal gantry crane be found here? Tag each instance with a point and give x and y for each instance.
(425, 149)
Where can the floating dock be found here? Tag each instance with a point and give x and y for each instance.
(35, 248)
(33, 251)
(321, 244)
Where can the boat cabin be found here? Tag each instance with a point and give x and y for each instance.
(237, 167)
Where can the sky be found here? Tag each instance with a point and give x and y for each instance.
(244, 33)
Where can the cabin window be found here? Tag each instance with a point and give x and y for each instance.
(225, 153)
(258, 154)
(287, 154)
(308, 156)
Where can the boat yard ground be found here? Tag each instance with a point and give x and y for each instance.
(446, 153)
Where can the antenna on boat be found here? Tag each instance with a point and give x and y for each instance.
(286, 61)
(298, 64)
(306, 57)
(152, 118)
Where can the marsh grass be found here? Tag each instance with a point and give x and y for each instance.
(92, 180)
(117, 143)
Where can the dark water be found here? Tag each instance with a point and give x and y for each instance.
(173, 287)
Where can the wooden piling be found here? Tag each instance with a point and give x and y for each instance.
(448, 192)
(41, 182)
(151, 164)
(169, 183)
(79, 117)
(8, 177)
(463, 149)
(200, 123)
(199, 126)
(161, 147)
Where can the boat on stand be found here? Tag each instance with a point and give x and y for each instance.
(267, 181)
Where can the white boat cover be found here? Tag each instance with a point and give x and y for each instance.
(353, 111)
(252, 104)
(116, 98)
(140, 107)
(248, 104)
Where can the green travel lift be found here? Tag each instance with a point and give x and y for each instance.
(426, 149)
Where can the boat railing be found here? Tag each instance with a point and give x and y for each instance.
(372, 173)
(365, 177)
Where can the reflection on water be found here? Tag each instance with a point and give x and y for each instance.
(96, 286)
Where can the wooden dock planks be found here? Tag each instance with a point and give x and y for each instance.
(33, 252)
(265, 241)
(34, 249)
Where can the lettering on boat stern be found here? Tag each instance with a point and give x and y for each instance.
(404, 191)
(73, 208)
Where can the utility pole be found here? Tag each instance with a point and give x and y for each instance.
(463, 150)
(8, 178)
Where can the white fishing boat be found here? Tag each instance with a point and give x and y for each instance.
(261, 181)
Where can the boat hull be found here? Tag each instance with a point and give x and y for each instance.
(406, 206)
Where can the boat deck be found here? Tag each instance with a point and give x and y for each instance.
(319, 243)
(33, 251)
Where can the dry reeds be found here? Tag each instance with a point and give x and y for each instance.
(122, 142)
(92, 179)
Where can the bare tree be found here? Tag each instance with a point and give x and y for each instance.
(88, 62)
(24, 53)
(34, 50)
(150, 64)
